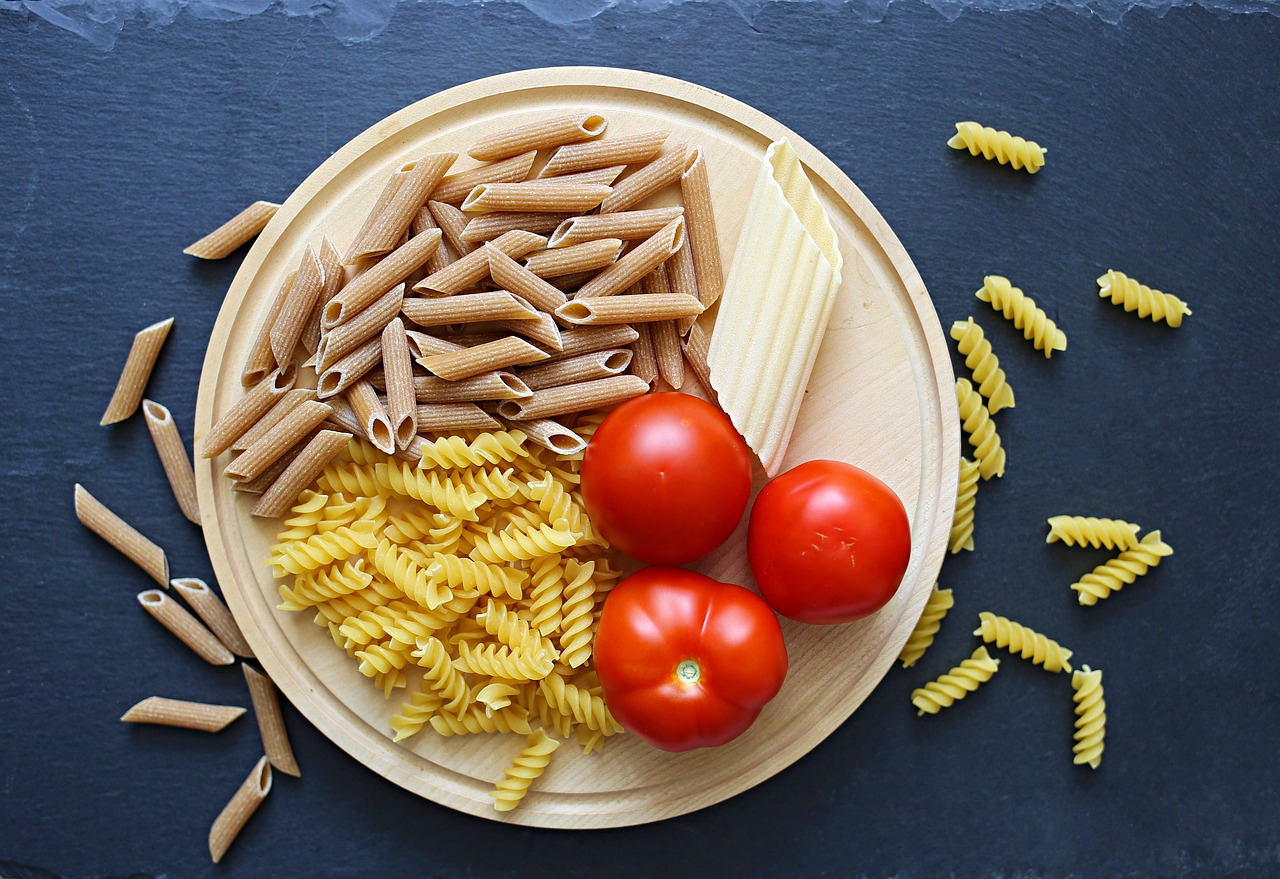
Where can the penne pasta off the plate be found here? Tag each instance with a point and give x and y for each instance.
(173, 458)
(188, 715)
(187, 628)
(209, 607)
(266, 707)
(246, 800)
(123, 536)
(231, 235)
(137, 371)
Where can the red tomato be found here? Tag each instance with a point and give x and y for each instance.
(686, 661)
(666, 478)
(828, 543)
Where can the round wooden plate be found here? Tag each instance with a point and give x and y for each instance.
(880, 396)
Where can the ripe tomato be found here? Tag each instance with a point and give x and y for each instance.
(686, 661)
(828, 543)
(666, 478)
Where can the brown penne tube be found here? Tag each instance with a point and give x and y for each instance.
(275, 442)
(656, 281)
(393, 222)
(629, 150)
(187, 715)
(266, 707)
(424, 344)
(442, 257)
(581, 340)
(371, 415)
(374, 283)
(350, 369)
(124, 537)
(539, 135)
(267, 478)
(627, 225)
(491, 386)
(585, 257)
(584, 367)
(246, 800)
(467, 308)
(696, 346)
(397, 368)
(231, 235)
(638, 308)
(486, 227)
(644, 360)
(542, 329)
(605, 176)
(345, 338)
(651, 253)
(209, 607)
(283, 406)
(455, 187)
(662, 171)
(186, 627)
(276, 500)
(335, 278)
(536, 196)
(173, 457)
(564, 399)
(695, 189)
(683, 279)
(551, 435)
(389, 189)
(452, 223)
(488, 357)
(468, 270)
(509, 274)
(260, 360)
(246, 411)
(441, 417)
(137, 371)
(294, 313)
(668, 353)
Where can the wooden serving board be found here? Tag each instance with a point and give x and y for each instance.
(881, 397)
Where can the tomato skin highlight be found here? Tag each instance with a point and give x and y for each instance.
(828, 543)
(666, 478)
(686, 661)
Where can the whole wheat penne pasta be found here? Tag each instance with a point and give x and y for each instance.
(703, 238)
(629, 150)
(585, 257)
(188, 715)
(599, 175)
(267, 478)
(581, 340)
(668, 353)
(627, 225)
(335, 278)
(344, 417)
(173, 457)
(468, 270)
(260, 360)
(298, 305)
(584, 367)
(491, 386)
(373, 284)
(443, 256)
(424, 344)
(441, 417)
(683, 278)
(550, 435)
(420, 178)
(345, 338)
(137, 371)
(564, 399)
(652, 252)
(286, 404)
(187, 628)
(538, 135)
(231, 235)
(266, 707)
(469, 340)
(570, 284)
(644, 360)
(452, 223)
(639, 308)
(499, 354)
(536, 196)
(246, 411)
(541, 329)
(277, 499)
(209, 607)
(397, 368)
(455, 187)
(486, 227)
(375, 423)
(509, 274)
(275, 442)
(467, 308)
(696, 345)
(662, 171)
(246, 800)
(349, 369)
(656, 281)
(357, 250)
(94, 515)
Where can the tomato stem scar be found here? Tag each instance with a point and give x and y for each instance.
(688, 671)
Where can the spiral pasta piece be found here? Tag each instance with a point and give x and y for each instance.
(380, 659)
(415, 713)
(514, 544)
(578, 704)
(452, 452)
(338, 610)
(400, 624)
(354, 479)
(307, 513)
(440, 675)
(1122, 570)
(398, 566)
(940, 601)
(495, 696)
(985, 366)
(359, 451)
(419, 525)
(530, 763)
(344, 510)
(507, 626)
(1155, 304)
(313, 587)
(392, 680)
(977, 423)
(320, 550)
(579, 602)
(556, 502)
(454, 572)
(546, 596)
(955, 684)
(503, 662)
(1020, 308)
(966, 501)
(1098, 533)
(1005, 148)
(476, 719)
(1024, 642)
(1091, 717)
(493, 484)
(404, 479)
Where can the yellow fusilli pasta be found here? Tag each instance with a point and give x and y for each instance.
(513, 718)
(1157, 305)
(578, 704)
(1122, 570)
(507, 626)
(415, 713)
(1091, 717)
(530, 763)
(514, 544)
(466, 574)
(1098, 533)
(578, 603)
(306, 515)
(1002, 146)
(396, 564)
(546, 595)
(503, 662)
(977, 423)
(428, 487)
(489, 448)
(984, 365)
(940, 601)
(313, 587)
(955, 684)
(1020, 308)
(1024, 642)
(966, 501)
(354, 479)
(441, 676)
(320, 550)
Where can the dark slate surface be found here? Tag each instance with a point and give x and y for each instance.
(1164, 137)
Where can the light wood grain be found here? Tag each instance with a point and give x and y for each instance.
(884, 354)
